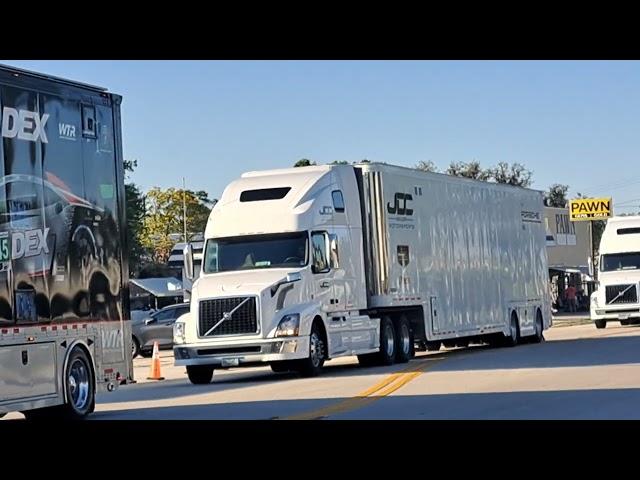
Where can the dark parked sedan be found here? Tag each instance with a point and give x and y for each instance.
(157, 327)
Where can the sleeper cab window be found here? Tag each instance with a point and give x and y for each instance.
(338, 201)
(320, 263)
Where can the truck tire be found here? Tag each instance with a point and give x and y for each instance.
(434, 346)
(80, 391)
(387, 353)
(601, 323)
(368, 359)
(625, 322)
(282, 366)
(312, 365)
(80, 385)
(514, 332)
(200, 374)
(403, 341)
(539, 329)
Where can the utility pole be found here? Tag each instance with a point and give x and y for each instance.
(184, 209)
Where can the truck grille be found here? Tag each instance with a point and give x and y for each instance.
(630, 296)
(242, 321)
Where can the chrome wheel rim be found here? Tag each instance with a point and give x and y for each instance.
(406, 337)
(78, 380)
(390, 347)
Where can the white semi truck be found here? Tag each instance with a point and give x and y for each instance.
(303, 265)
(616, 298)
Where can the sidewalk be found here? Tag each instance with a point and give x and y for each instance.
(565, 319)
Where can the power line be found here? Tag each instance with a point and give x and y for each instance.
(616, 184)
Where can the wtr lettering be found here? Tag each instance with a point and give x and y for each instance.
(111, 339)
(24, 124)
(400, 204)
(66, 130)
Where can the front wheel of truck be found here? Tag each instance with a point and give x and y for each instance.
(312, 365)
(200, 374)
(601, 323)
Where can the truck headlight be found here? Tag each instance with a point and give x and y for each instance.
(178, 332)
(289, 326)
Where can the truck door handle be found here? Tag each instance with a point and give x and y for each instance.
(324, 284)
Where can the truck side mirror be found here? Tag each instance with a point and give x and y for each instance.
(188, 262)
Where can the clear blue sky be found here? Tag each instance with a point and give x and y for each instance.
(570, 122)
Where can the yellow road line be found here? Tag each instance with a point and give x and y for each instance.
(384, 387)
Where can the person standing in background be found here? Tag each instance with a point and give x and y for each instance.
(570, 292)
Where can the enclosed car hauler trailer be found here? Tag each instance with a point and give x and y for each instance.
(306, 264)
(64, 329)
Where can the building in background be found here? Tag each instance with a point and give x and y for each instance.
(154, 293)
(176, 261)
(569, 253)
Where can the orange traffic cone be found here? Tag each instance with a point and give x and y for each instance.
(155, 364)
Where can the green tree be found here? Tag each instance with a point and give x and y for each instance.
(468, 170)
(556, 196)
(514, 174)
(304, 162)
(135, 217)
(339, 162)
(427, 166)
(165, 216)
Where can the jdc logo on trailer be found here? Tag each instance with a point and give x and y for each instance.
(24, 124)
(67, 131)
(400, 204)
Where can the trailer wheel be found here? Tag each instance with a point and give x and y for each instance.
(625, 322)
(514, 331)
(601, 323)
(312, 366)
(539, 334)
(403, 341)
(200, 374)
(80, 385)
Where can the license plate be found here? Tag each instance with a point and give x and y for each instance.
(623, 316)
(230, 362)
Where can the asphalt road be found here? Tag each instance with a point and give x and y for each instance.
(578, 373)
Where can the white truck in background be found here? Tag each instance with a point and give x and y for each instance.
(616, 298)
(303, 265)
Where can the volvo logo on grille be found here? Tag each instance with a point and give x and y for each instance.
(226, 316)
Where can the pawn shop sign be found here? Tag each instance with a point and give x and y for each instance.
(582, 209)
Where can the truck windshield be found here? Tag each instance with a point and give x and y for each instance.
(620, 261)
(255, 251)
